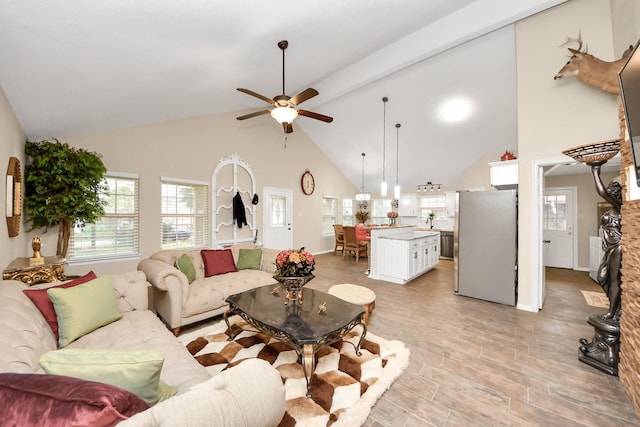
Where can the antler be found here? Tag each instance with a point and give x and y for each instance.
(576, 40)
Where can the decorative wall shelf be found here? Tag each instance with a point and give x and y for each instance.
(232, 175)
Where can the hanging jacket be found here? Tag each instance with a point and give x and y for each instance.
(239, 215)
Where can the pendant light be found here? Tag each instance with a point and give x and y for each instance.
(363, 194)
(383, 185)
(396, 190)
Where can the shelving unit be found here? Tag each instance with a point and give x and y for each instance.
(232, 175)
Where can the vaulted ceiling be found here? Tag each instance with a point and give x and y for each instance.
(73, 67)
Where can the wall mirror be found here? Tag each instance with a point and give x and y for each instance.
(13, 204)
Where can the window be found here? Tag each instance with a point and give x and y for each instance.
(278, 211)
(348, 216)
(380, 209)
(184, 214)
(436, 203)
(329, 214)
(555, 212)
(116, 234)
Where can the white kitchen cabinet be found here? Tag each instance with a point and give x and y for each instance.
(402, 258)
(504, 175)
(393, 258)
(408, 205)
(451, 203)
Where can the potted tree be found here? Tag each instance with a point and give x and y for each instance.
(64, 186)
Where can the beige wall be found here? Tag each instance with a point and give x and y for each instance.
(587, 203)
(12, 141)
(478, 175)
(555, 115)
(191, 148)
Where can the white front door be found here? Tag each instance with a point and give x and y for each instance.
(558, 227)
(277, 218)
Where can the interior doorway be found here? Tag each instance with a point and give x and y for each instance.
(540, 167)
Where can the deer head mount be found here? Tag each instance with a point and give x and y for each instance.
(590, 70)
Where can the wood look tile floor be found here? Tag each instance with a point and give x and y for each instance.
(476, 363)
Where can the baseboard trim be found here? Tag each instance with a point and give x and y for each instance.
(525, 307)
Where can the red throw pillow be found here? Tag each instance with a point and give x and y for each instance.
(217, 261)
(54, 400)
(40, 299)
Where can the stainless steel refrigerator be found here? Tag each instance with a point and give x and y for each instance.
(485, 248)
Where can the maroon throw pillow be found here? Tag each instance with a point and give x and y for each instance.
(55, 400)
(40, 299)
(217, 261)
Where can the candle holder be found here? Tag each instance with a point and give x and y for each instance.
(36, 245)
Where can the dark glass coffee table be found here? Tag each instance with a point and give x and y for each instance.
(306, 327)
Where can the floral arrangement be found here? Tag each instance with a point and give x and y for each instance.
(392, 214)
(294, 263)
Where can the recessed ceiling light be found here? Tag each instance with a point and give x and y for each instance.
(455, 110)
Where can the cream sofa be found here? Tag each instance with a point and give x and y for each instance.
(179, 303)
(249, 394)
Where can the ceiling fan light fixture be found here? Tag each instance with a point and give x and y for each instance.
(284, 114)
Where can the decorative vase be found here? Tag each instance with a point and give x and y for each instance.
(293, 285)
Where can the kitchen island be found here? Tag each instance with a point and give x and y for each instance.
(400, 254)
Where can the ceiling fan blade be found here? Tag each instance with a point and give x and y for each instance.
(303, 96)
(316, 116)
(257, 95)
(287, 127)
(250, 115)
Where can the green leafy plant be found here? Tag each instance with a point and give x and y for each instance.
(362, 216)
(64, 186)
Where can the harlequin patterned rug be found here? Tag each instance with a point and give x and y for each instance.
(596, 299)
(344, 386)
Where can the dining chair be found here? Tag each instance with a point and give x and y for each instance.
(352, 244)
(339, 233)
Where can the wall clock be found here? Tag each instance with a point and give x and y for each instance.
(307, 183)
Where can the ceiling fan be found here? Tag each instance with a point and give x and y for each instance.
(284, 110)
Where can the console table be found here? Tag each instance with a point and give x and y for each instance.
(52, 270)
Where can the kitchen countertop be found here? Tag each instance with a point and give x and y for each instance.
(411, 236)
(441, 230)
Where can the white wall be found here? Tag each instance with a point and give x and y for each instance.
(12, 142)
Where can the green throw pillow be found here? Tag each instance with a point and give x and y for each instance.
(249, 259)
(84, 308)
(185, 265)
(135, 370)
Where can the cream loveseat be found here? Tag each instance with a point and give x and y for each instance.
(249, 394)
(180, 303)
